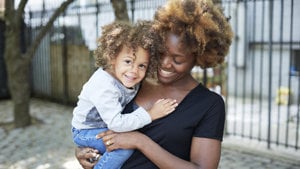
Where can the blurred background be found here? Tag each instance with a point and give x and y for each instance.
(46, 54)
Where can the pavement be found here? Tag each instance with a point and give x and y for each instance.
(47, 144)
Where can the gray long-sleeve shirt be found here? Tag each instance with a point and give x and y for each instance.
(101, 102)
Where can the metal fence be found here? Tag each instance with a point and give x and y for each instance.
(263, 71)
(260, 80)
(3, 79)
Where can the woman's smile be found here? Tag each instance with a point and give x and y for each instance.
(165, 73)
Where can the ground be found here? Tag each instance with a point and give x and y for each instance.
(47, 144)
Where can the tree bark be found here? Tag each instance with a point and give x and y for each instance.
(217, 1)
(17, 71)
(120, 10)
(18, 79)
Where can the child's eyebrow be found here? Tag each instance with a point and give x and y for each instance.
(130, 56)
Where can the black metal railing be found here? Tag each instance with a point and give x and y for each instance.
(263, 94)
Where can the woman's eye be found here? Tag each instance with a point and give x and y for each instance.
(177, 61)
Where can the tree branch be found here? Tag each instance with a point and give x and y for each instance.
(20, 9)
(30, 52)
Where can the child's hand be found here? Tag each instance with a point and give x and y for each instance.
(162, 107)
(84, 156)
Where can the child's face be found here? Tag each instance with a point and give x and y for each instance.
(130, 68)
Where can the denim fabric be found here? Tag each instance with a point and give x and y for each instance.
(109, 160)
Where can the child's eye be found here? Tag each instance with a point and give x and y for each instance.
(127, 61)
(143, 67)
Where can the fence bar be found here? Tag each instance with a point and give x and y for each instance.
(65, 61)
(261, 75)
(244, 68)
(289, 82)
(236, 28)
(298, 115)
(280, 70)
(270, 70)
(253, 68)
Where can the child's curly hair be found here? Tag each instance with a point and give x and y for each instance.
(201, 25)
(142, 36)
(114, 37)
(117, 34)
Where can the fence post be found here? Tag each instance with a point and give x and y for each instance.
(270, 71)
(65, 62)
(132, 10)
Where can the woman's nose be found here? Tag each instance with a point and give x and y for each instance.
(165, 61)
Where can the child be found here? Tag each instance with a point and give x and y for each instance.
(125, 57)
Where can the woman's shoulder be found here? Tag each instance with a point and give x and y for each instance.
(202, 100)
(200, 92)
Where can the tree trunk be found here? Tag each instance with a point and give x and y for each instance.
(120, 10)
(217, 1)
(20, 93)
(17, 75)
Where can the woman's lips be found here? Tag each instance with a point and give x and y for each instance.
(165, 73)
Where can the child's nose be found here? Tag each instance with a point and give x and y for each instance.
(134, 69)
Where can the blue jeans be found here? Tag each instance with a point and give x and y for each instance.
(109, 160)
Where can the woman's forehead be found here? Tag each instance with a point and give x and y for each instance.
(173, 37)
(174, 42)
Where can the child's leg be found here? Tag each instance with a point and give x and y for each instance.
(109, 160)
(87, 138)
(113, 159)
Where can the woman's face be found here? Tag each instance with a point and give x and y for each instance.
(176, 64)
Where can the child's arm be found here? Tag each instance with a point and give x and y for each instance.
(138, 118)
(161, 108)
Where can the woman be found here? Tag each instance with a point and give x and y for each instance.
(191, 33)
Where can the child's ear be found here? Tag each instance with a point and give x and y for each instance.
(113, 61)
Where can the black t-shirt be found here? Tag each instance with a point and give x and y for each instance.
(200, 114)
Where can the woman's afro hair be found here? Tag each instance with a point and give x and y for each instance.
(202, 26)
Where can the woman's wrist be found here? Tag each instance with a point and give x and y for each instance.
(141, 141)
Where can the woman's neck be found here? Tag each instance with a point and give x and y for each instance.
(185, 84)
(151, 91)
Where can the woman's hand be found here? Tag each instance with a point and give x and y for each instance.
(84, 156)
(124, 140)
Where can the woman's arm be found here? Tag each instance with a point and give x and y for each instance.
(205, 153)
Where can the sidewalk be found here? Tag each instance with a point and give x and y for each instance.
(250, 154)
(48, 145)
